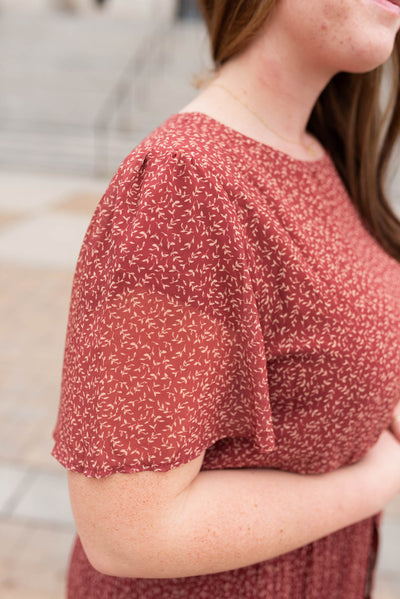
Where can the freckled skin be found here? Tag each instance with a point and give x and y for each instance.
(335, 11)
(338, 35)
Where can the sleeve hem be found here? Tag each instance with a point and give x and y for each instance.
(112, 466)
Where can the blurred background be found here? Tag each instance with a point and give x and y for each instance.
(82, 82)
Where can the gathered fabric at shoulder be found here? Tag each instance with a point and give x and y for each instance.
(164, 353)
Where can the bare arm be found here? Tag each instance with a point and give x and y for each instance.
(186, 522)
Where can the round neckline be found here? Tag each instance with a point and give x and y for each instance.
(257, 144)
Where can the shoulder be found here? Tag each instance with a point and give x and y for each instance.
(175, 173)
(183, 146)
(171, 186)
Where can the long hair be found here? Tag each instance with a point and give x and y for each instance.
(356, 118)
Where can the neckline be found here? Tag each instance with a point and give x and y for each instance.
(259, 146)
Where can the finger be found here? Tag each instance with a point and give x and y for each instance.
(395, 425)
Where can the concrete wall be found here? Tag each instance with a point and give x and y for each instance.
(24, 5)
(162, 9)
(139, 9)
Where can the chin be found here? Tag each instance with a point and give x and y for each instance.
(369, 61)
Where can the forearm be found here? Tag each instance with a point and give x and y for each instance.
(233, 518)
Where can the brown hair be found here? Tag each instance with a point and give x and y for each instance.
(348, 117)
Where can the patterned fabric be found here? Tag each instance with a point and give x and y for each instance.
(227, 297)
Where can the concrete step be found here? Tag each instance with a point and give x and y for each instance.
(64, 153)
(79, 92)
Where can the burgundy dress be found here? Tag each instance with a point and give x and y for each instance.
(227, 297)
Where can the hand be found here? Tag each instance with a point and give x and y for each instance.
(381, 468)
(395, 424)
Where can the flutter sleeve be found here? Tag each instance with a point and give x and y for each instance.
(164, 352)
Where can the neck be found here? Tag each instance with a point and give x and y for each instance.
(276, 84)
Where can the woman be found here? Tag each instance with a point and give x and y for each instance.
(231, 385)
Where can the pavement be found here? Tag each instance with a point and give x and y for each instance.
(46, 199)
